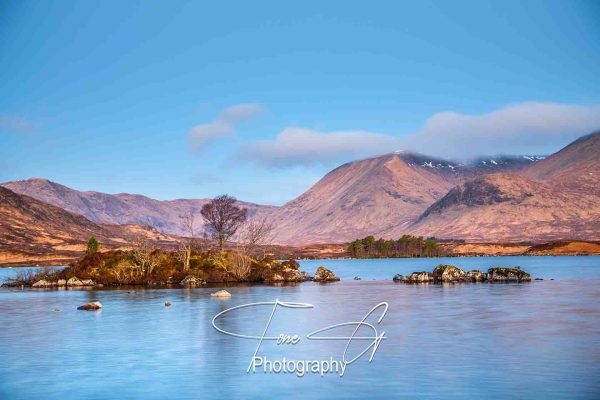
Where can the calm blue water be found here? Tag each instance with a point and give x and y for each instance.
(529, 341)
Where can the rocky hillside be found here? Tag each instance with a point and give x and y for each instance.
(378, 196)
(164, 216)
(557, 198)
(30, 226)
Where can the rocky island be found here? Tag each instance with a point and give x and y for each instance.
(451, 274)
(156, 268)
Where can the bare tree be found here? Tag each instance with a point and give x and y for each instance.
(255, 232)
(144, 259)
(240, 266)
(184, 252)
(223, 217)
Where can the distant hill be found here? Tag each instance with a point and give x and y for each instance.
(30, 226)
(508, 198)
(123, 208)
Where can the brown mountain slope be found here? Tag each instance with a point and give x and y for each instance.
(557, 198)
(31, 226)
(380, 196)
(580, 159)
(123, 208)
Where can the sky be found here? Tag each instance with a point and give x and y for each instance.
(259, 100)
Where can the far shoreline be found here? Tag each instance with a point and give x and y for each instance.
(338, 252)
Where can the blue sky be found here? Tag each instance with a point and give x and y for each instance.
(260, 99)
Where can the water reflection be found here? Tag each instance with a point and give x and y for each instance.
(530, 341)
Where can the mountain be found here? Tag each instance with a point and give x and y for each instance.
(555, 198)
(31, 226)
(378, 196)
(163, 215)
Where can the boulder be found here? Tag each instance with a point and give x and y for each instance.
(447, 273)
(221, 293)
(418, 277)
(41, 284)
(508, 275)
(74, 281)
(87, 282)
(94, 305)
(474, 276)
(191, 280)
(398, 278)
(61, 282)
(325, 275)
(286, 271)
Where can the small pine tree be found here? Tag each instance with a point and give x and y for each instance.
(92, 245)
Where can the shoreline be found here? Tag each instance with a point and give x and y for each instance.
(65, 262)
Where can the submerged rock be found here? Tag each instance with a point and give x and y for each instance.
(508, 275)
(447, 273)
(94, 305)
(325, 275)
(221, 293)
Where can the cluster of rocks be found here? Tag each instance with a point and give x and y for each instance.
(450, 273)
(72, 282)
(324, 275)
(191, 280)
(289, 272)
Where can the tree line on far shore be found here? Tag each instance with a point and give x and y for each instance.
(406, 246)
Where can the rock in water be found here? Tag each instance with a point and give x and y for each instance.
(286, 271)
(447, 273)
(357, 278)
(508, 275)
(324, 275)
(167, 304)
(418, 277)
(191, 280)
(74, 281)
(221, 293)
(398, 278)
(474, 276)
(94, 305)
(41, 284)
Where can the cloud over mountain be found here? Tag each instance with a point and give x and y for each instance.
(298, 146)
(532, 127)
(524, 128)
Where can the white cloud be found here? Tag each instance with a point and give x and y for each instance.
(524, 128)
(295, 146)
(17, 125)
(223, 127)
